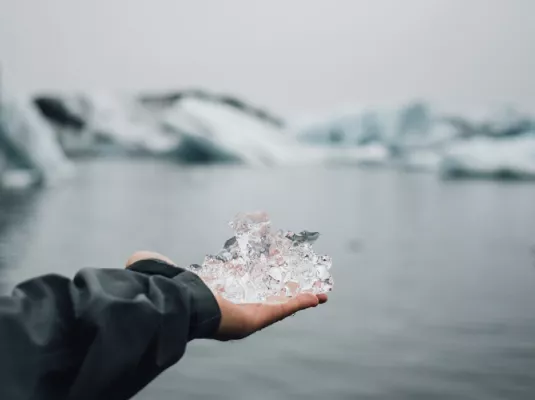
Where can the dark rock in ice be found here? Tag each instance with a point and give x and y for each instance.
(230, 242)
(304, 236)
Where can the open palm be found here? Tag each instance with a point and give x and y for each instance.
(241, 320)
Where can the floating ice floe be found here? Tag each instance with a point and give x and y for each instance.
(512, 157)
(470, 141)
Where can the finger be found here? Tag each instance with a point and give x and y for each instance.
(322, 298)
(271, 313)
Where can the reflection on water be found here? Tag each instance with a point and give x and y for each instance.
(434, 282)
(16, 209)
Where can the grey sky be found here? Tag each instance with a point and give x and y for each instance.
(291, 55)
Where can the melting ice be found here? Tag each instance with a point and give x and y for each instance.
(260, 265)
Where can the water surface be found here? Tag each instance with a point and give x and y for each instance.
(434, 281)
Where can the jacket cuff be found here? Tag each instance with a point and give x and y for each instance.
(153, 266)
(205, 315)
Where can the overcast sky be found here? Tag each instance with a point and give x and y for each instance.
(290, 55)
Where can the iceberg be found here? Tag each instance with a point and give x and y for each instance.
(493, 122)
(376, 137)
(467, 142)
(485, 157)
(102, 122)
(124, 122)
(223, 133)
(346, 129)
(191, 126)
(196, 126)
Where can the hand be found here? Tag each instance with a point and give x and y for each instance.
(241, 320)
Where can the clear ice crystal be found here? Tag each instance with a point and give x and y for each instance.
(258, 265)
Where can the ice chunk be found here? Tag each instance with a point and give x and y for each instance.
(260, 265)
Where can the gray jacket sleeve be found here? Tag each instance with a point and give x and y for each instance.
(104, 334)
